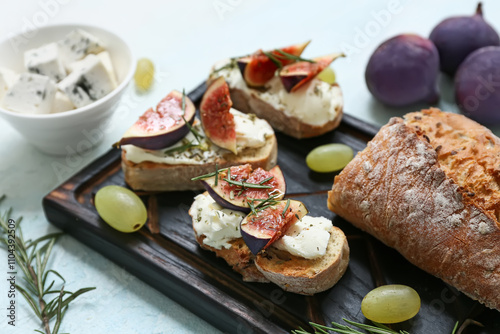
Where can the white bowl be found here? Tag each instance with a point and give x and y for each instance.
(76, 130)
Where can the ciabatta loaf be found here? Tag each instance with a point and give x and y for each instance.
(428, 186)
(312, 110)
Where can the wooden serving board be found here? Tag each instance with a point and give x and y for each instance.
(165, 254)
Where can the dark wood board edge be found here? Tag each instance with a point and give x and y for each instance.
(142, 260)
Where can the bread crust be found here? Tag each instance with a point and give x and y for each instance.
(290, 125)
(152, 176)
(306, 276)
(403, 192)
(239, 257)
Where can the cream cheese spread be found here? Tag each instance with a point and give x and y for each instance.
(315, 103)
(218, 225)
(307, 238)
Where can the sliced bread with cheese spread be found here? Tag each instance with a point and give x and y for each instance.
(311, 256)
(170, 169)
(312, 110)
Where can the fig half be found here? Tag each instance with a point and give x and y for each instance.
(257, 69)
(216, 119)
(259, 230)
(163, 127)
(295, 75)
(246, 187)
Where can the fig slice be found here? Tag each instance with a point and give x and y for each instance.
(247, 187)
(259, 230)
(163, 127)
(257, 69)
(295, 75)
(216, 119)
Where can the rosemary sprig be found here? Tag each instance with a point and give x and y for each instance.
(181, 148)
(32, 256)
(206, 176)
(286, 55)
(273, 59)
(266, 179)
(339, 328)
(286, 208)
(196, 134)
(246, 184)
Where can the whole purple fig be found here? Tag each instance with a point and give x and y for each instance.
(477, 86)
(403, 71)
(456, 37)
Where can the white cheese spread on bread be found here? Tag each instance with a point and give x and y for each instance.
(316, 103)
(251, 132)
(307, 238)
(218, 225)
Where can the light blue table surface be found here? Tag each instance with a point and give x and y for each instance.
(184, 38)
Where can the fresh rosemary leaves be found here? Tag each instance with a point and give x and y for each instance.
(32, 256)
(339, 328)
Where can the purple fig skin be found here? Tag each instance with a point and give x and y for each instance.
(253, 243)
(221, 201)
(404, 71)
(457, 37)
(290, 81)
(158, 142)
(477, 86)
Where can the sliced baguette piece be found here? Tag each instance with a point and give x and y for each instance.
(153, 176)
(427, 185)
(266, 103)
(279, 119)
(306, 276)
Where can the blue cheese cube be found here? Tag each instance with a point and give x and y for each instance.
(61, 103)
(89, 82)
(7, 79)
(106, 61)
(77, 44)
(45, 60)
(31, 94)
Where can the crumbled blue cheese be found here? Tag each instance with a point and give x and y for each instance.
(31, 94)
(89, 82)
(307, 238)
(316, 103)
(218, 225)
(61, 103)
(45, 60)
(251, 132)
(77, 44)
(7, 79)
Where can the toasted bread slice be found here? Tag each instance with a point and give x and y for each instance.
(154, 176)
(306, 276)
(313, 110)
(279, 119)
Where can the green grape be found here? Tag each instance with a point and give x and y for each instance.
(327, 75)
(144, 73)
(121, 208)
(329, 158)
(389, 304)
